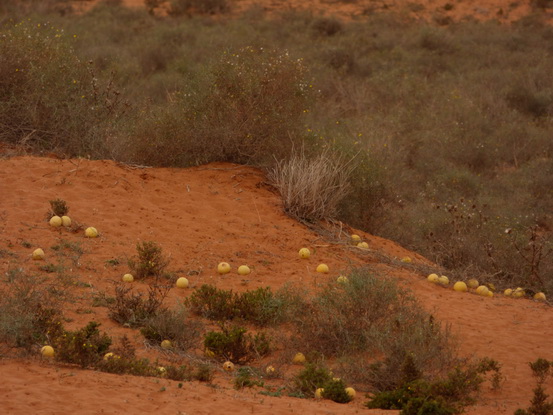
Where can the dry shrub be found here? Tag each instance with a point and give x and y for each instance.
(312, 188)
(370, 315)
(247, 107)
(132, 309)
(30, 311)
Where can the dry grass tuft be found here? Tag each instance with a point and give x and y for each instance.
(312, 188)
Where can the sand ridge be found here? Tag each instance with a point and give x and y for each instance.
(201, 216)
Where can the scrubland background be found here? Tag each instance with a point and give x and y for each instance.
(445, 131)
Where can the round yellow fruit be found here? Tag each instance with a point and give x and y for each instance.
(223, 268)
(209, 353)
(433, 278)
(508, 292)
(518, 293)
(128, 278)
(38, 254)
(243, 270)
(473, 283)
(298, 359)
(460, 286)
(182, 282)
(443, 280)
(323, 268)
(342, 279)
(55, 221)
(351, 392)
(110, 355)
(304, 253)
(162, 371)
(270, 370)
(91, 232)
(539, 296)
(482, 290)
(490, 293)
(166, 344)
(406, 259)
(363, 245)
(66, 221)
(228, 366)
(319, 393)
(47, 351)
(355, 238)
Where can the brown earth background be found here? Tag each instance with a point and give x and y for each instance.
(221, 212)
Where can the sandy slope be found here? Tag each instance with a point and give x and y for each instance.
(201, 216)
(438, 11)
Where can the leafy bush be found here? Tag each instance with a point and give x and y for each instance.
(539, 405)
(260, 306)
(309, 379)
(445, 396)
(335, 390)
(149, 261)
(232, 343)
(85, 347)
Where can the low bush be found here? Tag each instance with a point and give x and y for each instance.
(309, 379)
(149, 260)
(232, 343)
(539, 405)
(445, 396)
(85, 347)
(172, 325)
(260, 306)
(132, 309)
(30, 312)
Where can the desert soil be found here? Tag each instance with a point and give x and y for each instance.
(201, 216)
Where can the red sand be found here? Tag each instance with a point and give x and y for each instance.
(438, 11)
(201, 216)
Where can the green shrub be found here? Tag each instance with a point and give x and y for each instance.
(335, 390)
(210, 302)
(309, 379)
(232, 343)
(85, 347)
(539, 405)
(445, 396)
(149, 261)
(244, 379)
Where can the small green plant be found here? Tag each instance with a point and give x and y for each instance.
(85, 347)
(539, 405)
(335, 390)
(210, 302)
(445, 396)
(244, 379)
(232, 343)
(313, 376)
(149, 260)
(204, 373)
(59, 207)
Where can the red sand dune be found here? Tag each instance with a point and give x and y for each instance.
(201, 216)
